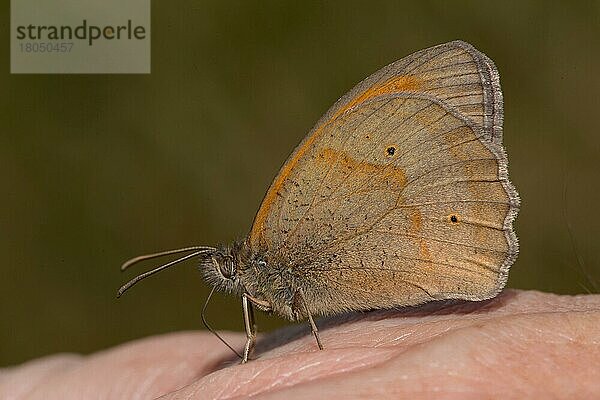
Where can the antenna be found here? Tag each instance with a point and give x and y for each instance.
(197, 250)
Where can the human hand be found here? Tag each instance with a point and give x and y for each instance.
(522, 344)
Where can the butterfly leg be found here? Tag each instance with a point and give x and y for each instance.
(299, 298)
(250, 326)
(260, 304)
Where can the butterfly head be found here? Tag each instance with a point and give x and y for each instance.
(220, 269)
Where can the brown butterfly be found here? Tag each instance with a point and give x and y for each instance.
(398, 196)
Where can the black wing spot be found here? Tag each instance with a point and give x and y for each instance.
(390, 151)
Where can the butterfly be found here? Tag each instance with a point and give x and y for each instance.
(398, 196)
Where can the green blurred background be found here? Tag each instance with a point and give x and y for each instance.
(98, 168)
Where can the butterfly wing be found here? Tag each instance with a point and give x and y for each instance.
(400, 193)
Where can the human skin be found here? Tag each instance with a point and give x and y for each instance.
(522, 344)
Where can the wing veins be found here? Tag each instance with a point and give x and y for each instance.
(450, 202)
(404, 234)
(445, 166)
(368, 182)
(370, 292)
(487, 267)
(359, 190)
(426, 57)
(447, 183)
(416, 271)
(299, 223)
(448, 65)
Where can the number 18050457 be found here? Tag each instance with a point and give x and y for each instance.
(49, 47)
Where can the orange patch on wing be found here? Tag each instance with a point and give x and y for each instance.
(416, 220)
(416, 223)
(395, 84)
(387, 172)
(424, 251)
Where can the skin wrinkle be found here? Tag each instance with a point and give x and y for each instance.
(121, 389)
(437, 321)
(319, 369)
(39, 372)
(151, 378)
(395, 338)
(490, 333)
(425, 333)
(221, 388)
(520, 344)
(285, 376)
(182, 369)
(242, 383)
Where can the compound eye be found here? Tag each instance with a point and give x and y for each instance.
(226, 267)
